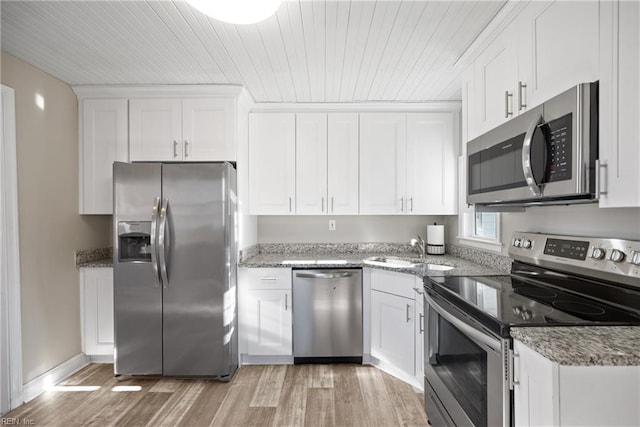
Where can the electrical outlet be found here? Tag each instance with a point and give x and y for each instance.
(332, 225)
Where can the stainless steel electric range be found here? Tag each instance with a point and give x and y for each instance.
(554, 281)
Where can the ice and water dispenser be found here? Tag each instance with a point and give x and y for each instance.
(134, 241)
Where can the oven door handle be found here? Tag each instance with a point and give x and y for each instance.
(469, 330)
(527, 168)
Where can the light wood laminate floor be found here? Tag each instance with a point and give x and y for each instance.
(275, 395)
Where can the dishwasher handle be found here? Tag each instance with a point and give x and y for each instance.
(334, 275)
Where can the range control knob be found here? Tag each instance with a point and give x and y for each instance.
(634, 258)
(598, 253)
(517, 243)
(526, 243)
(616, 256)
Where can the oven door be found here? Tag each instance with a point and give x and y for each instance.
(466, 369)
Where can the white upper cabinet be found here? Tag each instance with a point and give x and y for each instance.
(176, 129)
(407, 163)
(431, 164)
(558, 48)
(155, 129)
(342, 159)
(311, 163)
(272, 163)
(383, 162)
(496, 81)
(346, 163)
(327, 163)
(208, 129)
(620, 104)
(546, 49)
(103, 140)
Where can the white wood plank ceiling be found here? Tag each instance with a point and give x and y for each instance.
(309, 51)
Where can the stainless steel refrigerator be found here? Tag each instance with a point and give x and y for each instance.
(175, 269)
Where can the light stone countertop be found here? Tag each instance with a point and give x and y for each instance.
(584, 345)
(461, 266)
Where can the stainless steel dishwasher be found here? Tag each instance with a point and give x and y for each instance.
(327, 316)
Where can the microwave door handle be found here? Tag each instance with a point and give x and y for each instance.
(154, 241)
(163, 243)
(526, 157)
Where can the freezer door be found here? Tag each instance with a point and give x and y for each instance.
(137, 291)
(198, 335)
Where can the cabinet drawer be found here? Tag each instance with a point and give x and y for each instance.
(400, 284)
(269, 278)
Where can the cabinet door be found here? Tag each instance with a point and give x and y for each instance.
(620, 104)
(311, 163)
(383, 158)
(557, 47)
(272, 169)
(469, 106)
(97, 307)
(208, 129)
(431, 164)
(496, 71)
(269, 320)
(535, 393)
(343, 143)
(104, 141)
(155, 129)
(392, 330)
(419, 331)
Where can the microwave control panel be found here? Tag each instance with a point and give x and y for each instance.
(559, 136)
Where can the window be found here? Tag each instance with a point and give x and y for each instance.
(479, 229)
(486, 225)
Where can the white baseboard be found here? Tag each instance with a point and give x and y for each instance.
(101, 358)
(39, 385)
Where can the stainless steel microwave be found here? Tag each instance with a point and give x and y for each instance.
(547, 155)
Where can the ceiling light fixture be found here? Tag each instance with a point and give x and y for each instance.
(237, 11)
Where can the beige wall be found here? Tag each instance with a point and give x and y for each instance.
(363, 228)
(50, 227)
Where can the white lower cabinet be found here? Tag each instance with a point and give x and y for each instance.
(547, 393)
(96, 291)
(419, 331)
(265, 312)
(270, 322)
(392, 330)
(395, 325)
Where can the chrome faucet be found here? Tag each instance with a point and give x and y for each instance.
(420, 244)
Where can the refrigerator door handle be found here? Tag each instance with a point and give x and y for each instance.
(163, 243)
(154, 241)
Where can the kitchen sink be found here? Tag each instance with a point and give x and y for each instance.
(391, 262)
(438, 267)
(400, 263)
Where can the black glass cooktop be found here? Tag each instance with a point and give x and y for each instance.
(510, 300)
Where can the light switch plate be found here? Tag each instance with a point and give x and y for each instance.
(332, 225)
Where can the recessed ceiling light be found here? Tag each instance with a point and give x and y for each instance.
(237, 11)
